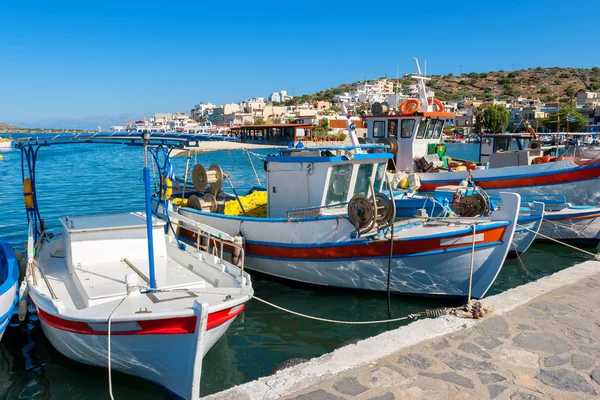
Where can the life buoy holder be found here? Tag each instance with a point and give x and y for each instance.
(166, 190)
(438, 103)
(405, 108)
(28, 193)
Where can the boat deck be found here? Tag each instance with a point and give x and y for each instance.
(95, 284)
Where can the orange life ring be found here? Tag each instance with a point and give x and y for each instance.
(543, 160)
(438, 103)
(405, 108)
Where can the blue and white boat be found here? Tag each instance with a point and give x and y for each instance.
(441, 203)
(9, 274)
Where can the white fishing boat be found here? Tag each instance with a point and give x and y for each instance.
(9, 280)
(116, 291)
(563, 221)
(524, 168)
(5, 143)
(326, 224)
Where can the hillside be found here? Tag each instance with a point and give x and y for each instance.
(547, 84)
(4, 127)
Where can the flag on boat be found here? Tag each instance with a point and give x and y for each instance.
(169, 172)
(570, 118)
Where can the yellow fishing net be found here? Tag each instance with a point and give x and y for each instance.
(255, 205)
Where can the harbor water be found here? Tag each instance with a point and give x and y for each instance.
(98, 178)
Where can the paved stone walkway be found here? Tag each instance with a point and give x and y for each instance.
(548, 348)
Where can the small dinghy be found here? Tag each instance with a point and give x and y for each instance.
(9, 277)
(116, 291)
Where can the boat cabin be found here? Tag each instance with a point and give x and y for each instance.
(407, 135)
(508, 149)
(316, 179)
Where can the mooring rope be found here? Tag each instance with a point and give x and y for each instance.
(595, 256)
(110, 391)
(474, 309)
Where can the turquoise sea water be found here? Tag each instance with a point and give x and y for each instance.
(91, 179)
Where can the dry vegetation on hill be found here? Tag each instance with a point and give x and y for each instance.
(547, 84)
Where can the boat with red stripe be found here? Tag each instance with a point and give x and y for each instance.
(114, 289)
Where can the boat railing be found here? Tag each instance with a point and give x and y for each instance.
(307, 210)
(211, 240)
(44, 277)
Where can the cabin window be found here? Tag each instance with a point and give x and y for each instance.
(393, 127)
(378, 129)
(422, 128)
(379, 176)
(438, 129)
(430, 129)
(408, 125)
(365, 171)
(502, 143)
(339, 184)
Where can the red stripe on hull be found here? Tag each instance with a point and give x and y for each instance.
(547, 179)
(378, 248)
(166, 326)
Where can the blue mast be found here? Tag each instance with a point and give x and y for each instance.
(148, 212)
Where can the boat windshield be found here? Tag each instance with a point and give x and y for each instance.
(379, 175)
(365, 172)
(339, 184)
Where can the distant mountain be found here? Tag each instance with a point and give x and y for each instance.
(4, 127)
(86, 123)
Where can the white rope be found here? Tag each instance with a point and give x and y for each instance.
(595, 256)
(334, 320)
(110, 391)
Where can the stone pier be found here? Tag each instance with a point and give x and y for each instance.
(543, 342)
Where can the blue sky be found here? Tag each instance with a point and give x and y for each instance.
(79, 59)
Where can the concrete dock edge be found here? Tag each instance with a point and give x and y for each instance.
(371, 349)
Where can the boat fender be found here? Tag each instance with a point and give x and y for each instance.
(166, 190)
(238, 246)
(28, 193)
(23, 293)
(409, 107)
(404, 182)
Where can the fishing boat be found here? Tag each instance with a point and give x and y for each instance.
(460, 201)
(5, 143)
(550, 215)
(415, 131)
(325, 223)
(115, 290)
(9, 275)
(568, 223)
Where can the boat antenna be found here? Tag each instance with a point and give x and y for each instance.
(422, 88)
(350, 127)
(146, 137)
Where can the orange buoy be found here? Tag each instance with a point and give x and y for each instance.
(438, 103)
(409, 106)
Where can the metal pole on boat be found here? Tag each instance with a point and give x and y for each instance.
(148, 212)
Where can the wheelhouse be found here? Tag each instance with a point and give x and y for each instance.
(321, 178)
(408, 136)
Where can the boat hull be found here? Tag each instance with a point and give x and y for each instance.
(581, 231)
(322, 251)
(8, 288)
(165, 359)
(580, 183)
